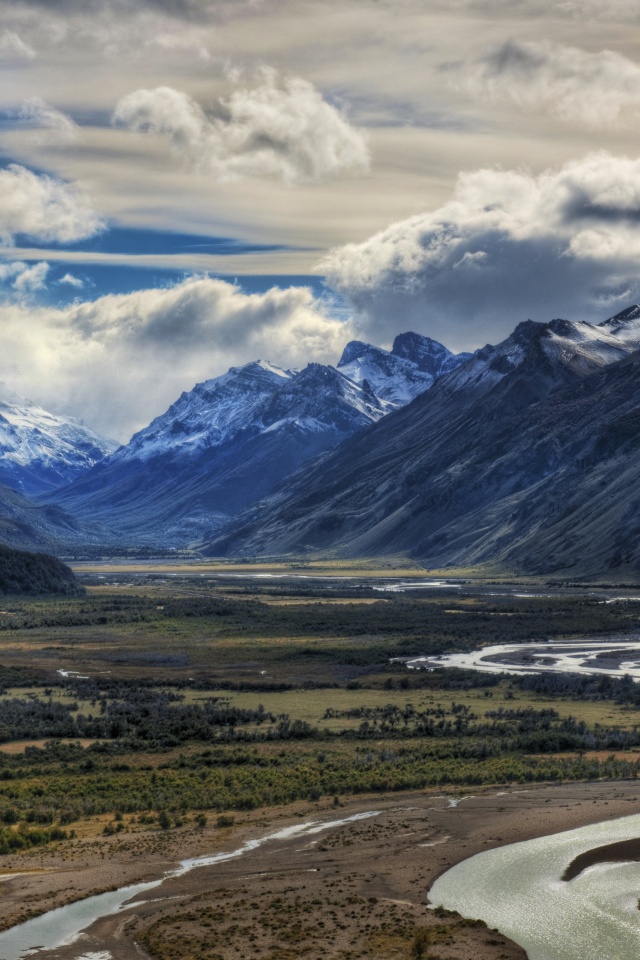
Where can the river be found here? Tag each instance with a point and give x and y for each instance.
(612, 657)
(62, 926)
(519, 890)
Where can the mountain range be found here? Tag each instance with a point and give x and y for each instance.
(228, 442)
(523, 455)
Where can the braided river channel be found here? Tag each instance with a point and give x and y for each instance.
(62, 926)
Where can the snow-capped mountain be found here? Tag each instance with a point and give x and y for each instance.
(557, 350)
(219, 447)
(232, 439)
(495, 463)
(40, 451)
(209, 414)
(625, 325)
(397, 376)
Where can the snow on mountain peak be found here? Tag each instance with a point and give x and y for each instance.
(568, 347)
(625, 325)
(40, 450)
(410, 368)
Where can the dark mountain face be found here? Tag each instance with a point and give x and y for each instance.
(23, 524)
(525, 455)
(428, 355)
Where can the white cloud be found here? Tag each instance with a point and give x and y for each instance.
(32, 279)
(13, 49)
(281, 128)
(121, 360)
(69, 280)
(597, 89)
(43, 208)
(508, 246)
(25, 278)
(58, 126)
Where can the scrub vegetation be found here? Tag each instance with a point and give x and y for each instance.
(183, 697)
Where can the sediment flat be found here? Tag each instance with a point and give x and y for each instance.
(352, 891)
(621, 852)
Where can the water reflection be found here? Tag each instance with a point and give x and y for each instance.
(519, 889)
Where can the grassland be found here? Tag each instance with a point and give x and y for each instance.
(187, 694)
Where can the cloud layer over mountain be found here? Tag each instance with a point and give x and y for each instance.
(576, 229)
(122, 359)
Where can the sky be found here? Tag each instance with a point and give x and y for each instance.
(188, 185)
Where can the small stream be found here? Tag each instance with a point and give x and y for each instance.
(62, 926)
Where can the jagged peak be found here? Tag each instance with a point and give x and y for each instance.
(357, 349)
(407, 344)
(625, 326)
(319, 372)
(258, 367)
(626, 315)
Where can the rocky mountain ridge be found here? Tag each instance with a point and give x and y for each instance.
(502, 462)
(231, 439)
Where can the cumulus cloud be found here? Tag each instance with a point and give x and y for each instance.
(24, 278)
(121, 360)
(70, 281)
(42, 208)
(57, 126)
(507, 246)
(282, 128)
(597, 89)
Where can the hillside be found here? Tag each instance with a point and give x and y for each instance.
(34, 574)
(527, 456)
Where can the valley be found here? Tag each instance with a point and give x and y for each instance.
(319, 460)
(168, 712)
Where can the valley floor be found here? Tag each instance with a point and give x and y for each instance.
(156, 718)
(355, 891)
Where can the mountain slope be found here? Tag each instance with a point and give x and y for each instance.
(625, 325)
(40, 451)
(25, 525)
(475, 469)
(221, 446)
